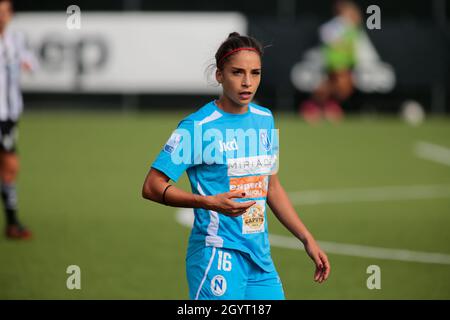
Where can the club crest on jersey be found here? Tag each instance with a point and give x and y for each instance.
(172, 143)
(218, 285)
(265, 141)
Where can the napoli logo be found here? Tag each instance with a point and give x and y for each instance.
(218, 285)
(264, 138)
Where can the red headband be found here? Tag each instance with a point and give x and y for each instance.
(236, 50)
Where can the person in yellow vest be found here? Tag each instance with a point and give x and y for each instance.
(339, 37)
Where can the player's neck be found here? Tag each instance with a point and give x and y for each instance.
(230, 106)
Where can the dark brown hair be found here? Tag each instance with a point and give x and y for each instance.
(233, 42)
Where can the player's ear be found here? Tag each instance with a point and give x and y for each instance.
(219, 75)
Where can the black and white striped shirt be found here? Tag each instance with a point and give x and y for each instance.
(13, 53)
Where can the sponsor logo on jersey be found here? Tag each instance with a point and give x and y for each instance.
(228, 146)
(253, 186)
(257, 165)
(253, 218)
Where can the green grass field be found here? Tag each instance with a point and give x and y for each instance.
(80, 192)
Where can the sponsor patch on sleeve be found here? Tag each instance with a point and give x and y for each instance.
(172, 143)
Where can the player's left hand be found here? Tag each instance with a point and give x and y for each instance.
(320, 259)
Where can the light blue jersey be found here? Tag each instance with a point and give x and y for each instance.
(224, 152)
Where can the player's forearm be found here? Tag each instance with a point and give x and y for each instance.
(174, 196)
(283, 209)
(177, 197)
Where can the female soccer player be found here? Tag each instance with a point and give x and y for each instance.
(232, 177)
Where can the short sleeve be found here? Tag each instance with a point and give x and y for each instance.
(275, 146)
(177, 153)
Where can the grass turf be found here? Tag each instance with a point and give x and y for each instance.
(79, 191)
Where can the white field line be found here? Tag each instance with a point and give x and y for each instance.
(364, 251)
(433, 152)
(387, 193)
(186, 217)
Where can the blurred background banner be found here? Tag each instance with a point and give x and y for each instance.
(125, 52)
(130, 50)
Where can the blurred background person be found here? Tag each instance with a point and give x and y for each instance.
(13, 58)
(338, 37)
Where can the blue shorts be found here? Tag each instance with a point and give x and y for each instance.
(226, 274)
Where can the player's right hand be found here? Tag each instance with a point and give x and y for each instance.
(222, 203)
